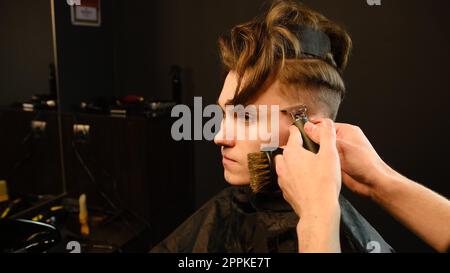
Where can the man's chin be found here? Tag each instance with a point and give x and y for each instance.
(235, 180)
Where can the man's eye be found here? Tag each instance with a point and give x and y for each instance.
(247, 117)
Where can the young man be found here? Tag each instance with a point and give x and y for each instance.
(289, 56)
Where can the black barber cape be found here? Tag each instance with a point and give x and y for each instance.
(237, 221)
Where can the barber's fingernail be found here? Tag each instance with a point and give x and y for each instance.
(309, 127)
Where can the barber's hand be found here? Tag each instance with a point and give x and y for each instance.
(311, 182)
(362, 168)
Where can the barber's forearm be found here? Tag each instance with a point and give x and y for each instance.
(319, 232)
(421, 210)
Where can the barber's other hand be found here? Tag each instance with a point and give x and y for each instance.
(362, 168)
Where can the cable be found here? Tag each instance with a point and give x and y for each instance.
(92, 178)
(116, 192)
(28, 155)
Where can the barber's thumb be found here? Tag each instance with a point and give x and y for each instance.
(295, 137)
(279, 164)
(312, 131)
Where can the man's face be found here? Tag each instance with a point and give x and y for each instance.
(235, 149)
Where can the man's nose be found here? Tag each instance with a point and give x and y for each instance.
(221, 138)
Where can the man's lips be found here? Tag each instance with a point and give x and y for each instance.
(227, 160)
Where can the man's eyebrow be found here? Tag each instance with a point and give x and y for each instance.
(229, 102)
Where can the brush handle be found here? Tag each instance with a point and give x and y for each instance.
(308, 144)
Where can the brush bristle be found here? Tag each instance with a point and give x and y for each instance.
(260, 171)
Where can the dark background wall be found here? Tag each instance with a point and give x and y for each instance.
(85, 57)
(25, 49)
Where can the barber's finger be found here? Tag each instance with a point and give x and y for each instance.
(354, 185)
(343, 130)
(348, 132)
(295, 137)
(312, 132)
(280, 167)
(279, 164)
(311, 128)
(327, 135)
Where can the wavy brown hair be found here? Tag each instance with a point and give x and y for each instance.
(259, 50)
